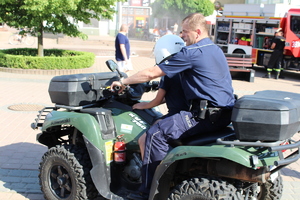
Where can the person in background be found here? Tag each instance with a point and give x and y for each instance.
(180, 34)
(276, 59)
(156, 31)
(168, 32)
(122, 47)
(156, 34)
(207, 84)
(162, 31)
(175, 28)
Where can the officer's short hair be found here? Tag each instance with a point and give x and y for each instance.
(196, 20)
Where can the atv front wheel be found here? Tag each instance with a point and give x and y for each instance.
(64, 174)
(204, 189)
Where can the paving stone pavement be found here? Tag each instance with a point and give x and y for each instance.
(20, 154)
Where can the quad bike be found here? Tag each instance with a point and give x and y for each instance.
(92, 135)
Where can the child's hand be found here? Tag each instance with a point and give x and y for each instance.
(140, 106)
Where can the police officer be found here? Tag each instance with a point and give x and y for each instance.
(207, 84)
(276, 59)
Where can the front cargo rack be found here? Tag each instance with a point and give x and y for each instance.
(43, 113)
(41, 117)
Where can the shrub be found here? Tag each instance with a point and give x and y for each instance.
(26, 58)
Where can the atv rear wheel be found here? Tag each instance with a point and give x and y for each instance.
(64, 174)
(271, 190)
(204, 189)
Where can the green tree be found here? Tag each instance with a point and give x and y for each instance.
(55, 16)
(178, 9)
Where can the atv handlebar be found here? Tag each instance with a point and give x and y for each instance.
(152, 86)
(116, 88)
(135, 91)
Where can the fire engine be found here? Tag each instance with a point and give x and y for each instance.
(249, 29)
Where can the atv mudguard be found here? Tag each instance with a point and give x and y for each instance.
(85, 123)
(100, 173)
(237, 154)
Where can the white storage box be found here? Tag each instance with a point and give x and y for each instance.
(241, 25)
(248, 26)
(268, 30)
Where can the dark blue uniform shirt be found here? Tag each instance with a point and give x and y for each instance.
(204, 73)
(121, 39)
(175, 98)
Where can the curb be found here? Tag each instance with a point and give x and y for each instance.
(46, 72)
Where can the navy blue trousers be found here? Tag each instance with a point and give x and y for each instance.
(177, 126)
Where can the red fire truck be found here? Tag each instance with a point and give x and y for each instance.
(249, 29)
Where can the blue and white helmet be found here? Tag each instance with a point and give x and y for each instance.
(167, 46)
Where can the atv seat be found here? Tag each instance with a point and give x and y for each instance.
(199, 140)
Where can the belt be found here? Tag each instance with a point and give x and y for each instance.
(202, 109)
(198, 108)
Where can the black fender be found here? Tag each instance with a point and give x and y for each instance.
(100, 173)
(162, 177)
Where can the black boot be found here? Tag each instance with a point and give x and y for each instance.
(281, 75)
(277, 75)
(268, 75)
(137, 196)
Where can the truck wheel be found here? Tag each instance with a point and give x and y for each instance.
(64, 174)
(271, 190)
(204, 189)
(239, 51)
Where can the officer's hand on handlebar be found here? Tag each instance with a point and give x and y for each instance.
(117, 86)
